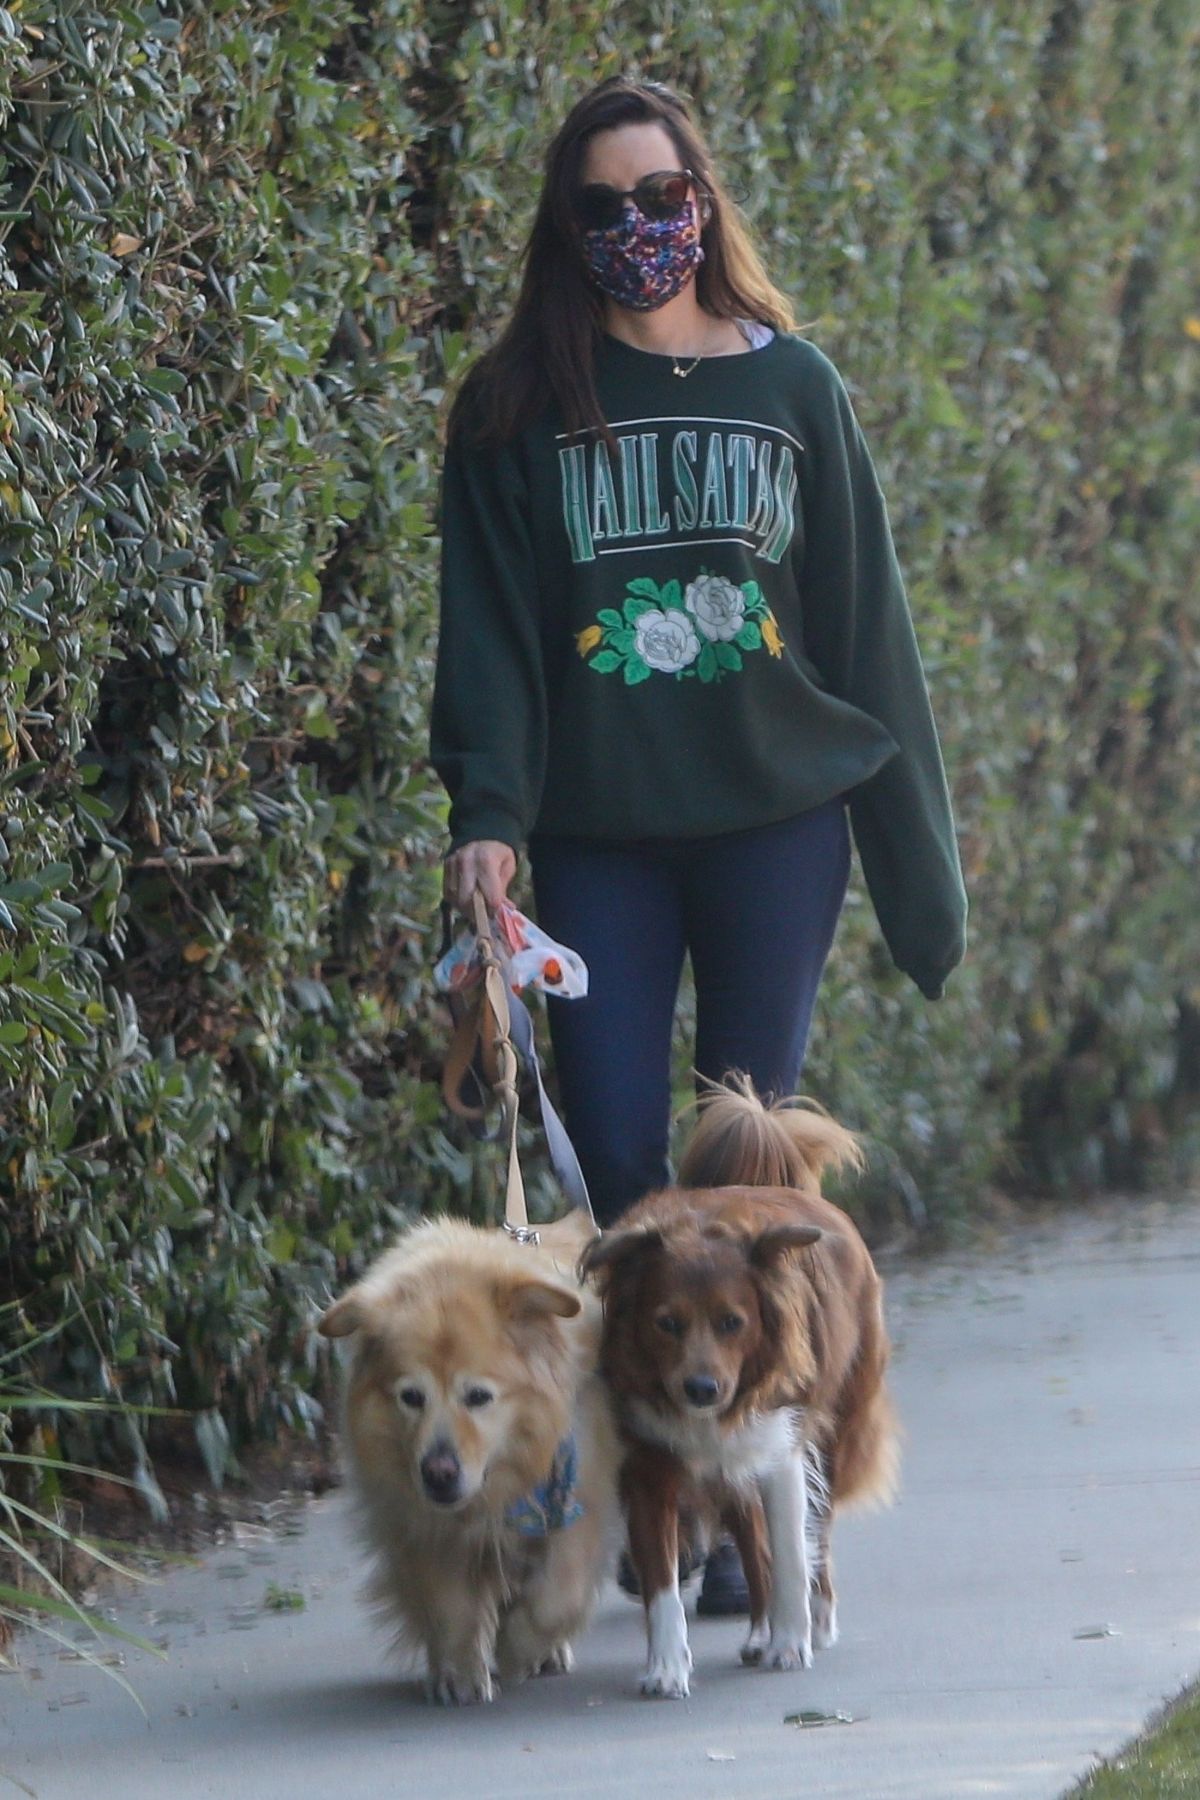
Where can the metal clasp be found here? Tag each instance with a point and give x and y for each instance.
(524, 1234)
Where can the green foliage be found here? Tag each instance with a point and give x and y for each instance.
(217, 440)
(280, 1599)
(243, 247)
(1165, 1762)
(33, 1537)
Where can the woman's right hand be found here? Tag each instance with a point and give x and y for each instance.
(484, 864)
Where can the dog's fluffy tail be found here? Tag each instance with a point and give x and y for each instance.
(865, 1453)
(742, 1141)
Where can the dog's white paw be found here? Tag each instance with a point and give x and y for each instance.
(788, 1650)
(666, 1678)
(824, 1622)
(450, 1687)
(560, 1661)
(755, 1645)
(668, 1656)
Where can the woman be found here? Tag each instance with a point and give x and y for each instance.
(676, 660)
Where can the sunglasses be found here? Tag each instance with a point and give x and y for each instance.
(660, 196)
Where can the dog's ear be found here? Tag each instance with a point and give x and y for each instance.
(613, 1248)
(777, 1240)
(345, 1316)
(535, 1299)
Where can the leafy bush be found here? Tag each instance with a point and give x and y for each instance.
(218, 424)
(34, 1538)
(244, 247)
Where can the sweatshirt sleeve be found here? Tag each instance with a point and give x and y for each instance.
(859, 632)
(488, 722)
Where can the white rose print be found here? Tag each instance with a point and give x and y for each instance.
(666, 640)
(718, 607)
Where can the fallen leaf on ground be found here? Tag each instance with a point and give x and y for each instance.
(808, 1718)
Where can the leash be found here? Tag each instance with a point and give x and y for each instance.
(491, 1032)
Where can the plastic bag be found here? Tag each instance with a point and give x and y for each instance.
(532, 959)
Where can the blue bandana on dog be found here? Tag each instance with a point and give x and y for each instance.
(552, 1504)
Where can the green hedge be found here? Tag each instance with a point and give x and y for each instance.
(245, 246)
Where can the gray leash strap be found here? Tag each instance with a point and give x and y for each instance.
(563, 1159)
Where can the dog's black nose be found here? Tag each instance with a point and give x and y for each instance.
(441, 1473)
(701, 1390)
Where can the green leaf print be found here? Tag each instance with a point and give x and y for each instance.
(749, 637)
(670, 594)
(634, 609)
(727, 656)
(621, 641)
(754, 597)
(605, 662)
(642, 584)
(636, 670)
(706, 663)
(610, 619)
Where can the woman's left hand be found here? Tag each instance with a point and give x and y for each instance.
(485, 864)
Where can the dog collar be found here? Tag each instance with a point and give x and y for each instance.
(552, 1504)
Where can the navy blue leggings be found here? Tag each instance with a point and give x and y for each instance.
(756, 911)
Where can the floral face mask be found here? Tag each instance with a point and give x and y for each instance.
(642, 263)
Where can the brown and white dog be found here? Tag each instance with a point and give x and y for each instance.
(482, 1450)
(745, 1343)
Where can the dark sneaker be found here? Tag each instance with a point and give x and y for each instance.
(723, 1593)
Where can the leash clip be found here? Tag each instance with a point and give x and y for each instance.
(524, 1234)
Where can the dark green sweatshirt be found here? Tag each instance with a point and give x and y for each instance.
(705, 633)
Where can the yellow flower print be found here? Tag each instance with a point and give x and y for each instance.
(771, 637)
(586, 641)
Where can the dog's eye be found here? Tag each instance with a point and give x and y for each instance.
(411, 1396)
(670, 1324)
(478, 1396)
(728, 1323)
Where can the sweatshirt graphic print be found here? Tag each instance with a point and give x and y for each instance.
(702, 632)
(726, 485)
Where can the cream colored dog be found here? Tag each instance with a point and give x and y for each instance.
(482, 1450)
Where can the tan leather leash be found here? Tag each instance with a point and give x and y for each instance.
(504, 1086)
(471, 1057)
(488, 1026)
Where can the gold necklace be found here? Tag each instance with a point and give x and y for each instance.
(676, 370)
(694, 364)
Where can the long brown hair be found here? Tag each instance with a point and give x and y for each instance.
(545, 352)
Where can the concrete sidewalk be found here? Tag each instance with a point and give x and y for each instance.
(1051, 1399)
